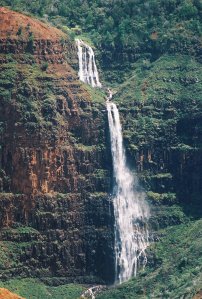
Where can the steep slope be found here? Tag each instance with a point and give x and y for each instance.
(55, 170)
(21, 25)
(163, 127)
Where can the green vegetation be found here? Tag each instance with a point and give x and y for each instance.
(162, 98)
(19, 230)
(10, 252)
(125, 31)
(166, 215)
(101, 173)
(85, 148)
(176, 271)
(44, 66)
(34, 112)
(125, 24)
(163, 197)
(97, 95)
(30, 43)
(33, 288)
(19, 32)
(150, 53)
(163, 176)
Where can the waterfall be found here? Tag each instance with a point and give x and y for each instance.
(131, 211)
(130, 208)
(88, 72)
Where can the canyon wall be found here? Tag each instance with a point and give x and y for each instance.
(163, 134)
(55, 168)
(55, 162)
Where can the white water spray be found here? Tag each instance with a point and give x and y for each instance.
(88, 72)
(130, 208)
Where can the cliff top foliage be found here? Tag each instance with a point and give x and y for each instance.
(124, 31)
(162, 25)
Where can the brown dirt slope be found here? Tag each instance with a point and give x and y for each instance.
(6, 294)
(11, 23)
(198, 295)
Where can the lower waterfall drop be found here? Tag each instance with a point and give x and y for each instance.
(130, 208)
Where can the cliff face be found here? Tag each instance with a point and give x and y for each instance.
(161, 112)
(55, 168)
(162, 129)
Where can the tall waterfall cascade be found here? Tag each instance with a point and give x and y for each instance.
(88, 72)
(131, 211)
(130, 208)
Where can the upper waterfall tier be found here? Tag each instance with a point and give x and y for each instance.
(88, 72)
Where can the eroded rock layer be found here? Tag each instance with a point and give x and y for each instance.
(56, 219)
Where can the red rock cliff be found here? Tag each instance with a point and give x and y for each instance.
(55, 170)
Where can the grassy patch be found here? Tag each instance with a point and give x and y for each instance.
(97, 95)
(32, 288)
(162, 197)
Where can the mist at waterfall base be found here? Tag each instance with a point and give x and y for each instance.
(131, 211)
